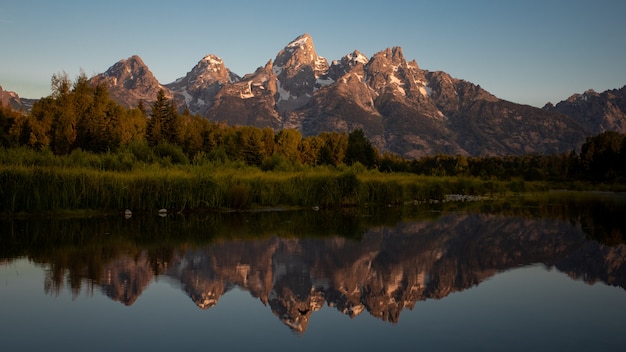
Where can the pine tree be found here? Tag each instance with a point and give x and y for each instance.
(360, 150)
(165, 124)
(154, 129)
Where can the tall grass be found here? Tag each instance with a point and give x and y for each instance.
(33, 181)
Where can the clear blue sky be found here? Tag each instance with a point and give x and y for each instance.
(530, 51)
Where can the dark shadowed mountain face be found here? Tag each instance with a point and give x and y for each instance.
(596, 112)
(401, 107)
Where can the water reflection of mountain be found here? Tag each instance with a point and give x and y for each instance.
(389, 269)
(385, 270)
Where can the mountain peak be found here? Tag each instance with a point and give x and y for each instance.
(210, 62)
(127, 68)
(298, 52)
(198, 88)
(357, 57)
(212, 59)
(300, 41)
(209, 70)
(135, 59)
(299, 71)
(129, 81)
(596, 112)
(11, 99)
(133, 64)
(397, 54)
(393, 54)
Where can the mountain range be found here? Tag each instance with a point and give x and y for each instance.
(401, 107)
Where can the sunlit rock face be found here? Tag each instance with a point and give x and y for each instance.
(130, 81)
(249, 101)
(197, 90)
(299, 72)
(10, 99)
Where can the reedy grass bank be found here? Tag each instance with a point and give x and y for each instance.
(144, 181)
(34, 189)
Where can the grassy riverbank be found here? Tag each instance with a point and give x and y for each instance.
(38, 189)
(38, 182)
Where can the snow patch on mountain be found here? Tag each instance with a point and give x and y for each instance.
(323, 82)
(299, 42)
(247, 92)
(397, 84)
(357, 57)
(284, 95)
(186, 95)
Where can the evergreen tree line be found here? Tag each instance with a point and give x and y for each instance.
(602, 158)
(80, 116)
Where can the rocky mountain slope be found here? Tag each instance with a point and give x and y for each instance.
(10, 99)
(130, 81)
(13, 100)
(596, 112)
(197, 90)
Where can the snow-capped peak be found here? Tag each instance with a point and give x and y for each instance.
(300, 41)
(212, 60)
(357, 57)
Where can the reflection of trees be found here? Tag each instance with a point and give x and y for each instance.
(392, 266)
(599, 215)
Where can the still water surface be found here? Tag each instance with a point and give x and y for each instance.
(534, 276)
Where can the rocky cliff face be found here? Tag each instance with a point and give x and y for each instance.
(299, 72)
(10, 99)
(130, 81)
(596, 112)
(197, 90)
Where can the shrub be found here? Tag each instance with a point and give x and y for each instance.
(171, 152)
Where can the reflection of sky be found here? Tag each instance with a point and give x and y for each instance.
(524, 309)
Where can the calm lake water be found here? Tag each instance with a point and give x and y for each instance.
(526, 275)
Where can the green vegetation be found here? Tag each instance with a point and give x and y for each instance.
(78, 149)
(33, 181)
